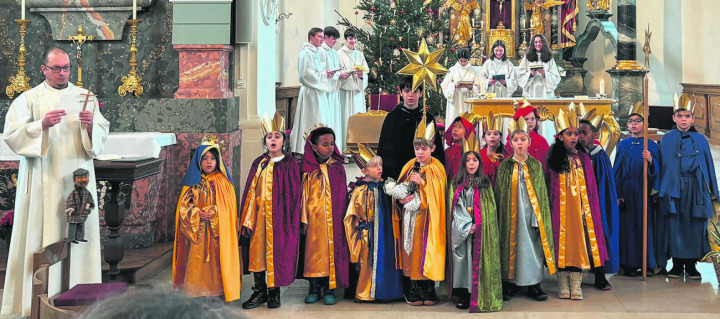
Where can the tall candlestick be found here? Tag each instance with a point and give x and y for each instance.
(134, 9)
(602, 86)
(482, 87)
(22, 10)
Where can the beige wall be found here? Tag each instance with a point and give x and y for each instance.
(700, 45)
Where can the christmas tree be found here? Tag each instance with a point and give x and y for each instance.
(398, 24)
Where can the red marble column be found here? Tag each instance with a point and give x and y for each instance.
(204, 71)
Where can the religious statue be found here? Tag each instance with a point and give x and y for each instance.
(462, 28)
(568, 18)
(78, 206)
(537, 25)
(603, 5)
(78, 39)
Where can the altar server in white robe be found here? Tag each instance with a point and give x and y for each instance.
(498, 74)
(352, 91)
(312, 106)
(454, 91)
(329, 57)
(47, 127)
(538, 74)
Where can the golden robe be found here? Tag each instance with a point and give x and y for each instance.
(317, 214)
(258, 219)
(427, 258)
(206, 258)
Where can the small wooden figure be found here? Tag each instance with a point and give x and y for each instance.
(78, 206)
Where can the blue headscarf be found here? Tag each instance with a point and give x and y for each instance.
(194, 173)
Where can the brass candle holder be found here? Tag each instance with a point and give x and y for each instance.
(522, 49)
(20, 82)
(133, 81)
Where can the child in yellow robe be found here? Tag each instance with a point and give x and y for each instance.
(206, 259)
(423, 243)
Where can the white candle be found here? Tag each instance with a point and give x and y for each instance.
(22, 10)
(602, 86)
(482, 87)
(134, 9)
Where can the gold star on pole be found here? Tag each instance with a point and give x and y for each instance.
(424, 66)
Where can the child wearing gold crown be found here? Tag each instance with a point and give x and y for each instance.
(688, 195)
(324, 253)
(423, 232)
(369, 230)
(270, 217)
(206, 259)
(473, 272)
(494, 151)
(578, 231)
(525, 225)
(628, 172)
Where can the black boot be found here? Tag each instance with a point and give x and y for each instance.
(690, 269)
(274, 298)
(600, 281)
(414, 294)
(464, 298)
(630, 272)
(429, 296)
(536, 293)
(313, 292)
(677, 268)
(508, 290)
(259, 295)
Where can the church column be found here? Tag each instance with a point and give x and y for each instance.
(627, 75)
(201, 34)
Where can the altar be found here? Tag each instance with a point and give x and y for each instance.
(548, 109)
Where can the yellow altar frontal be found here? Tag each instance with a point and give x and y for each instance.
(549, 108)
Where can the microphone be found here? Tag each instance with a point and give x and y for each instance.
(413, 187)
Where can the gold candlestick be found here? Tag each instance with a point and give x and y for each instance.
(522, 49)
(133, 81)
(20, 82)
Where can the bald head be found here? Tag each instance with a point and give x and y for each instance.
(56, 67)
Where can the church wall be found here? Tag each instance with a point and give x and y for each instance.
(700, 44)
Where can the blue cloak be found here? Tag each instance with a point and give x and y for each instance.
(628, 179)
(607, 196)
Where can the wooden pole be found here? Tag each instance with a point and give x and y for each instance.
(646, 112)
(87, 98)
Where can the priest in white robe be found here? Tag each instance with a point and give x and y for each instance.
(47, 127)
(312, 106)
(352, 90)
(329, 57)
(458, 85)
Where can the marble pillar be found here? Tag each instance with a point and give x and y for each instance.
(204, 71)
(627, 89)
(626, 29)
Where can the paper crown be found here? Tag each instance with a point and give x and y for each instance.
(566, 119)
(469, 116)
(591, 116)
(519, 124)
(493, 122)
(425, 130)
(312, 128)
(638, 109)
(471, 144)
(684, 102)
(363, 155)
(209, 140)
(523, 108)
(276, 123)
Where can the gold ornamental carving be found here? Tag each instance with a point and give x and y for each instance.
(20, 82)
(133, 81)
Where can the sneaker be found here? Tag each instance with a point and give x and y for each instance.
(413, 295)
(274, 298)
(258, 297)
(536, 293)
(630, 272)
(428, 294)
